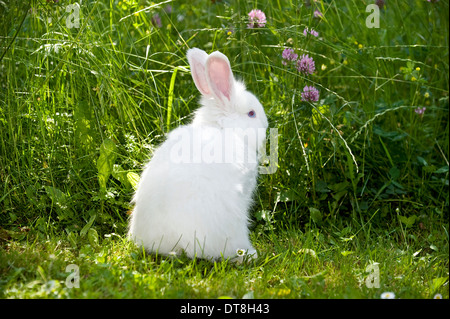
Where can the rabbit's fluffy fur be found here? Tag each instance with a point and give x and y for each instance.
(191, 205)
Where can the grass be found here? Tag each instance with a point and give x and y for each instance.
(362, 178)
(292, 265)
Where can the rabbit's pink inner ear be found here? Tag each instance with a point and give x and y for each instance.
(220, 76)
(199, 76)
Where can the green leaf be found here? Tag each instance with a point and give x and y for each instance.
(121, 175)
(316, 117)
(408, 221)
(273, 30)
(434, 247)
(85, 229)
(417, 252)
(249, 295)
(437, 283)
(105, 162)
(170, 100)
(316, 215)
(73, 238)
(398, 185)
(41, 273)
(346, 253)
(422, 161)
(285, 196)
(133, 179)
(339, 195)
(58, 197)
(92, 237)
(339, 186)
(394, 173)
(393, 135)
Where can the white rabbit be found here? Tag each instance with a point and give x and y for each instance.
(188, 200)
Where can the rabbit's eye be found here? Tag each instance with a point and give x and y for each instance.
(251, 113)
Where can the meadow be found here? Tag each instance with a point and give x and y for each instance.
(358, 206)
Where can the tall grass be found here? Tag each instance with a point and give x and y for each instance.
(66, 90)
(112, 88)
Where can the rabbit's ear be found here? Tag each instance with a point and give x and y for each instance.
(197, 60)
(219, 75)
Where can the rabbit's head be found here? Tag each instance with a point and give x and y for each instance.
(225, 101)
